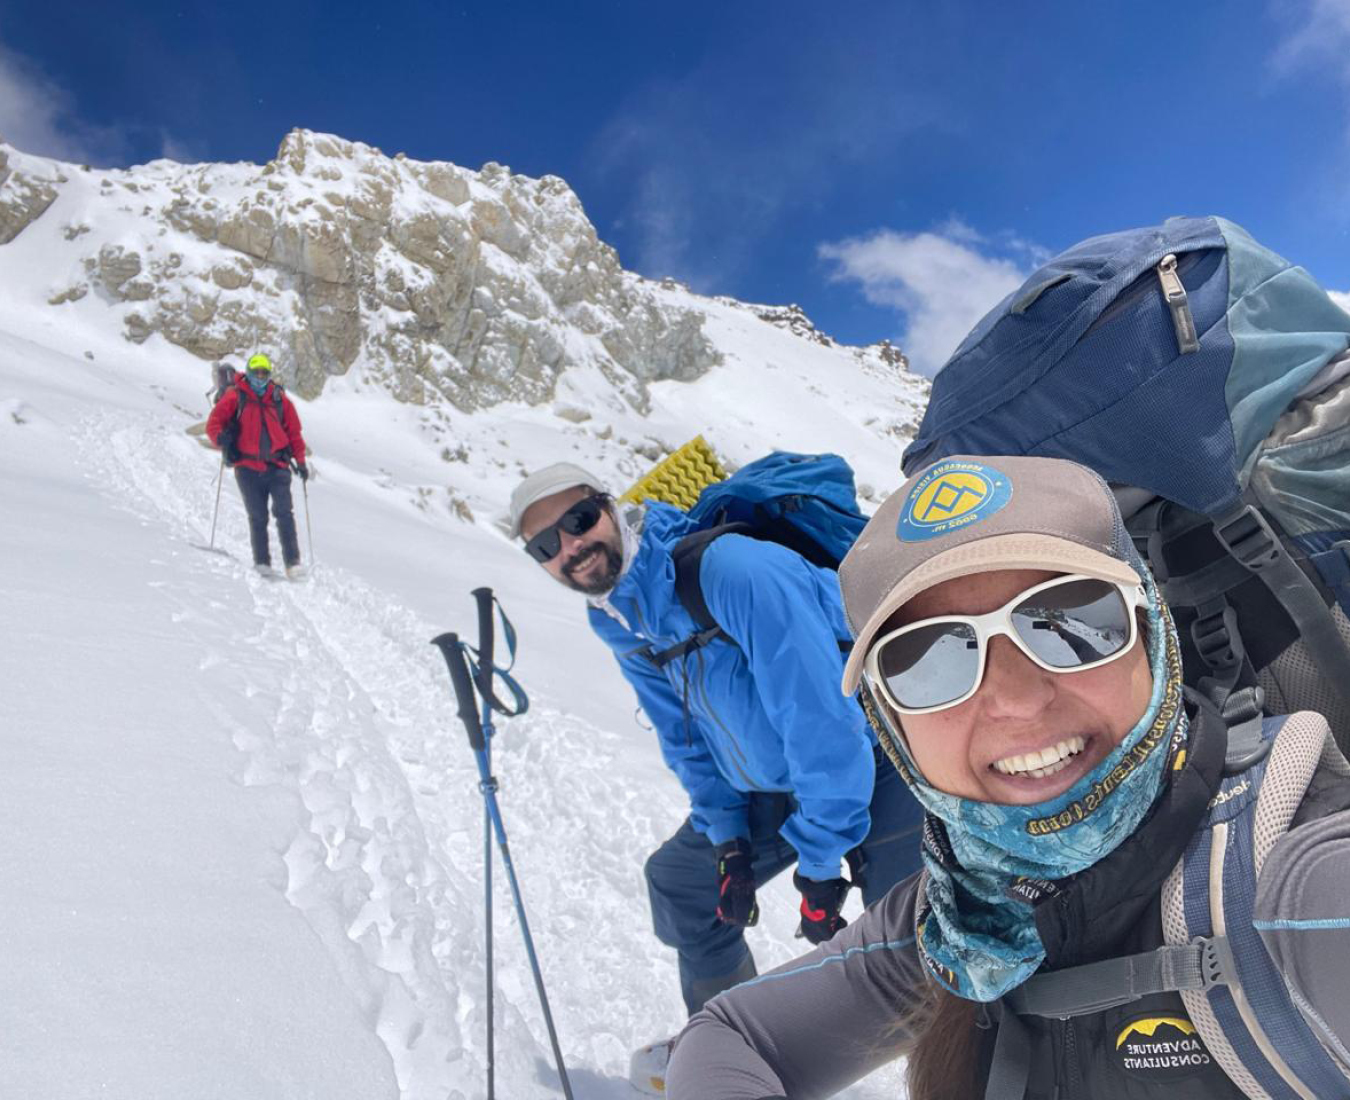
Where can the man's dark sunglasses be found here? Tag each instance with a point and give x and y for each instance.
(577, 520)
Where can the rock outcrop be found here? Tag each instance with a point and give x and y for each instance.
(23, 198)
(443, 283)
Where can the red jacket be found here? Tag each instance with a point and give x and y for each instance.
(283, 432)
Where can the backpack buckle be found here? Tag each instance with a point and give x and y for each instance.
(1216, 637)
(1217, 965)
(1247, 536)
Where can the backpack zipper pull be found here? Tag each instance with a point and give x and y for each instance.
(1174, 294)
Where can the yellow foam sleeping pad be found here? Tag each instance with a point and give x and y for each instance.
(679, 477)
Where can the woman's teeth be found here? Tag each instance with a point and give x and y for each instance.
(1045, 762)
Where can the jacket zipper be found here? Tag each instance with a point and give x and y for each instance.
(702, 692)
(1174, 294)
(1075, 1073)
(702, 689)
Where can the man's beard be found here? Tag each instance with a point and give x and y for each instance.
(605, 579)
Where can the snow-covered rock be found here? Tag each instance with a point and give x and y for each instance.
(472, 287)
(455, 290)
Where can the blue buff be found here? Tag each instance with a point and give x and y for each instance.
(258, 387)
(978, 935)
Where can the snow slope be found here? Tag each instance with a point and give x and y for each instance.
(245, 836)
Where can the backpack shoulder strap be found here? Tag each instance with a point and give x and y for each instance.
(1250, 1025)
(687, 555)
(1247, 536)
(688, 558)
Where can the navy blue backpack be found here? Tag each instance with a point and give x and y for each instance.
(1208, 380)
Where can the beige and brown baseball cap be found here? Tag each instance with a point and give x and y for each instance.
(967, 515)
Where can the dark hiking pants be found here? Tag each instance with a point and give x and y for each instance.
(682, 880)
(256, 488)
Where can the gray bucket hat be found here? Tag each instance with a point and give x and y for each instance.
(967, 515)
(544, 483)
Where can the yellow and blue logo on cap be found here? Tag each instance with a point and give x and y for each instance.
(950, 497)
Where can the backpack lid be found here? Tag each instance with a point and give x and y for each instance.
(1085, 362)
(1034, 327)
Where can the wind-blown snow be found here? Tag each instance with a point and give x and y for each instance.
(243, 825)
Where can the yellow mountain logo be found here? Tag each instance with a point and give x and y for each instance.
(1148, 1027)
(950, 496)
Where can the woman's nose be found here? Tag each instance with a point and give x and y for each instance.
(1014, 686)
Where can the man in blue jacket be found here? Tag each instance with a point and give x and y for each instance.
(778, 766)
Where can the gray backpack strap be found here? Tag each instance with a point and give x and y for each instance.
(1244, 714)
(1247, 536)
(1094, 987)
(1201, 965)
(1011, 1067)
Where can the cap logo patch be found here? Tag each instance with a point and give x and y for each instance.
(950, 497)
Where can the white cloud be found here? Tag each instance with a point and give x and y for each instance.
(184, 152)
(38, 116)
(1320, 37)
(939, 280)
(1341, 298)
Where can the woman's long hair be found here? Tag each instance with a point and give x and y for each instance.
(947, 1056)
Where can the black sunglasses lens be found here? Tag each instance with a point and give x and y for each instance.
(581, 517)
(577, 520)
(544, 546)
(1075, 623)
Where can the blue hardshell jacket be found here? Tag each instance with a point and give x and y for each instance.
(764, 712)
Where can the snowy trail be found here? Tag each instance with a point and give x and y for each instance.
(345, 705)
(338, 697)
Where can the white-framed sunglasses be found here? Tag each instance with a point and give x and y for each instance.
(1068, 624)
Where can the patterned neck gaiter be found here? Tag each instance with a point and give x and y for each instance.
(989, 864)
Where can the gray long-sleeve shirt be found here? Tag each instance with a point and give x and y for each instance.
(813, 1026)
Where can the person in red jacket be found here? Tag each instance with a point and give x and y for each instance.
(257, 427)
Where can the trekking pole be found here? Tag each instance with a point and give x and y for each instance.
(486, 642)
(309, 531)
(220, 477)
(452, 649)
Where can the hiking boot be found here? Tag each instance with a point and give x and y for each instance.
(264, 569)
(296, 572)
(647, 1067)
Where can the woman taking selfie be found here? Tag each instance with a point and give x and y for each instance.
(1097, 916)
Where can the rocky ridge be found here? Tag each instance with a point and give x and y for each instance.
(446, 286)
(474, 287)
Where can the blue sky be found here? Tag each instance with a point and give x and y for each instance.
(894, 168)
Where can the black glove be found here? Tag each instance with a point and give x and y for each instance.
(821, 902)
(302, 470)
(225, 441)
(736, 884)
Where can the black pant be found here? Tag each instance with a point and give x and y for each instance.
(255, 488)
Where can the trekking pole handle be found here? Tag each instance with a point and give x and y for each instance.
(486, 640)
(449, 646)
